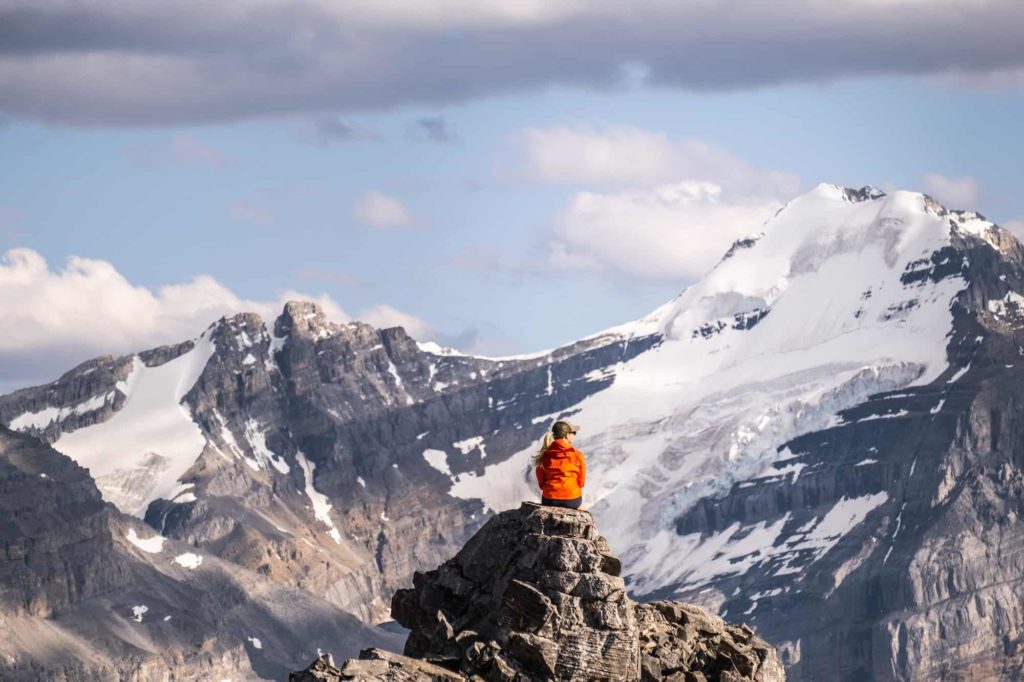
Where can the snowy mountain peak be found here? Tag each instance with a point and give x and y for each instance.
(848, 194)
(844, 294)
(833, 237)
(302, 318)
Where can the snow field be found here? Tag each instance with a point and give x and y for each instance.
(710, 406)
(140, 453)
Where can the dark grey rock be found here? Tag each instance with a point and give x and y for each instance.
(519, 622)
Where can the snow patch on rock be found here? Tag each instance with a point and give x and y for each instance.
(321, 506)
(152, 545)
(437, 459)
(188, 560)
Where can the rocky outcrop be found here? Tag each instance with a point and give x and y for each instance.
(87, 593)
(375, 665)
(536, 595)
(55, 542)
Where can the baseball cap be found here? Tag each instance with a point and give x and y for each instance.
(564, 426)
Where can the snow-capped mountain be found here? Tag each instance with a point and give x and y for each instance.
(798, 440)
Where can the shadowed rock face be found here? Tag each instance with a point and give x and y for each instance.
(536, 595)
(55, 543)
(87, 593)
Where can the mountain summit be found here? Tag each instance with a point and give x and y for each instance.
(820, 438)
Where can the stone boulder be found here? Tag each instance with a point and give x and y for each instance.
(536, 595)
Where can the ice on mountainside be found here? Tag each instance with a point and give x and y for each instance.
(792, 327)
(140, 453)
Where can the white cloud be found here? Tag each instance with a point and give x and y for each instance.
(630, 156)
(953, 192)
(383, 315)
(583, 156)
(55, 318)
(674, 231)
(656, 208)
(379, 210)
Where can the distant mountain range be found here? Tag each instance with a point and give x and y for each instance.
(821, 437)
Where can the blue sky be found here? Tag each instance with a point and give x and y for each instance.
(467, 216)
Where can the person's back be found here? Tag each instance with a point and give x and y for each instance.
(561, 468)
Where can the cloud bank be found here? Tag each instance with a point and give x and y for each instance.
(652, 208)
(55, 318)
(156, 63)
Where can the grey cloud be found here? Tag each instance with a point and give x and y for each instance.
(148, 63)
(436, 128)
(326, 130)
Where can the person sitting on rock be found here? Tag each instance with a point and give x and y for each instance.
(561, 469)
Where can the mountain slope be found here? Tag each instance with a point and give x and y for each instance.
(827, 390)
(90, 594)
(310, 443)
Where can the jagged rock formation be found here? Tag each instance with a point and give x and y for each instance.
(309, 410)
(820, 438)
(54, 530)
(536, 595)
(87, 593)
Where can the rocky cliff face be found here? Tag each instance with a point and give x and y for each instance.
(302, 453)
(536, 595)
(54, 530)
(90, 594)
(819, 438)
(927, 582)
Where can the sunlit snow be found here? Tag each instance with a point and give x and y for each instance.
(41, 419)
(153, 545)
(188, 560)
(140, 453)
(438, 459)
(709, 407)
(258, 441)
(321, 507)
(468, 445)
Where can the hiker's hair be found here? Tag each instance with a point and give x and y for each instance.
(545, 442)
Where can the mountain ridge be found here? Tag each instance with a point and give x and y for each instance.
(727, 424)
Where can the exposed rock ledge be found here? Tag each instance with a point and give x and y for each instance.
(536, 595)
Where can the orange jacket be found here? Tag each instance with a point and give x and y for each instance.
(562, 472)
